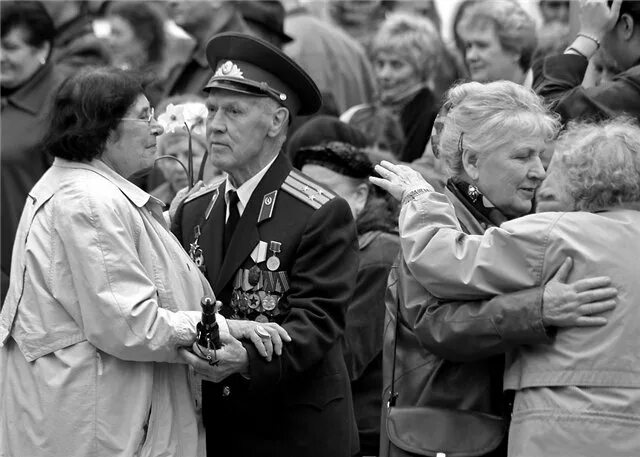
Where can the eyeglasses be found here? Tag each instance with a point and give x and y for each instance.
(148, 120)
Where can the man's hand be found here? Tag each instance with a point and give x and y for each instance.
(231, 358)
(576, 304)
(267, 338)
(596, 18)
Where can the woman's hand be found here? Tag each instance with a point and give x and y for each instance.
(217, 365)
(399, 180)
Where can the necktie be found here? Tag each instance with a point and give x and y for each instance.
(232, 220)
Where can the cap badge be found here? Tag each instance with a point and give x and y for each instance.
(229, 69)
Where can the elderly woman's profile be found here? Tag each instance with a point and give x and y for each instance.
(101, 294)
(579, 395)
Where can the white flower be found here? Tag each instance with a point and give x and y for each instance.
(194, 115)
(172, 118)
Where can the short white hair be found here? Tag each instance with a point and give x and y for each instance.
(485, 117)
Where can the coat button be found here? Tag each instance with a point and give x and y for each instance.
(226, 391)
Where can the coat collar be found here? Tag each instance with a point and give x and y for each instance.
(137, 196)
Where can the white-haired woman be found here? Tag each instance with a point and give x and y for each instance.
(580, 395)
(450, 355)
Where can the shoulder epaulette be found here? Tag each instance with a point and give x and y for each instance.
(305, 190)
(205, 190)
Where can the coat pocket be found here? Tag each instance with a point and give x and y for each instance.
(319, 392)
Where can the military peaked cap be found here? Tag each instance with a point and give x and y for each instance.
(249, 65)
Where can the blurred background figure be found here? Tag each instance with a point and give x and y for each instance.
(611, 35)
(424, 8)
(201, 20)
(28, 77)
(76, 45)
(324, 129)
(601, 69)
(499, 40)
(554, 11)
(134, 32)
(135, 35)
(345, 169)
(337, 62)
(406, 52)
(265, 19)
(360, 19)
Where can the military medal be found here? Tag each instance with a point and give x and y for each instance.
(269, 302)
(253, 300)
(254, 276)
(195, 251)
(243, 302)
(273, 262)
(261, 318)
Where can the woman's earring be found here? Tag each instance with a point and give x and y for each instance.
(42, 60)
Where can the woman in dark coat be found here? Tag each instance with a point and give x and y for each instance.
(409, 59)
(345, 169)
(28, 77)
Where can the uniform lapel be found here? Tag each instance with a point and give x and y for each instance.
(211, 238)
(246, 234)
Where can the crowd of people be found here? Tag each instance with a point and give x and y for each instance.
(418, 241)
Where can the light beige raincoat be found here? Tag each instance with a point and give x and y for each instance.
(101, 297)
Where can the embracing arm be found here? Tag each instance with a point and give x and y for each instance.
(467, 331)
(453, 265)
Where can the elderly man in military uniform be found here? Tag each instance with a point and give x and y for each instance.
(276, 247)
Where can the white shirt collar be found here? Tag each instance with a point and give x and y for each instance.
(246, 189)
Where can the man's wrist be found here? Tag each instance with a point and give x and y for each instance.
(583, 46)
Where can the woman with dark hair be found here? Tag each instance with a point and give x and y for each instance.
(137, 40)
(27, 78)
(136, 35)
(102, 295)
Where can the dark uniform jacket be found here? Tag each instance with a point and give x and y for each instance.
(558, 80)
(298, 404)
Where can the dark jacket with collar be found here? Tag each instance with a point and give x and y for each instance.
(24, 124)
(450, 355)
(558, 80)
(300, 403)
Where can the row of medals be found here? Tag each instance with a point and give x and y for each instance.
(255, 299)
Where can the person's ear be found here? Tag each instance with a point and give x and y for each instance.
(470, 164)
(43, 52)
(626, 26)
(279, 120)
(359, 200)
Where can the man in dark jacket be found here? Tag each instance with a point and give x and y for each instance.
(614, 28)
(276, 247)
